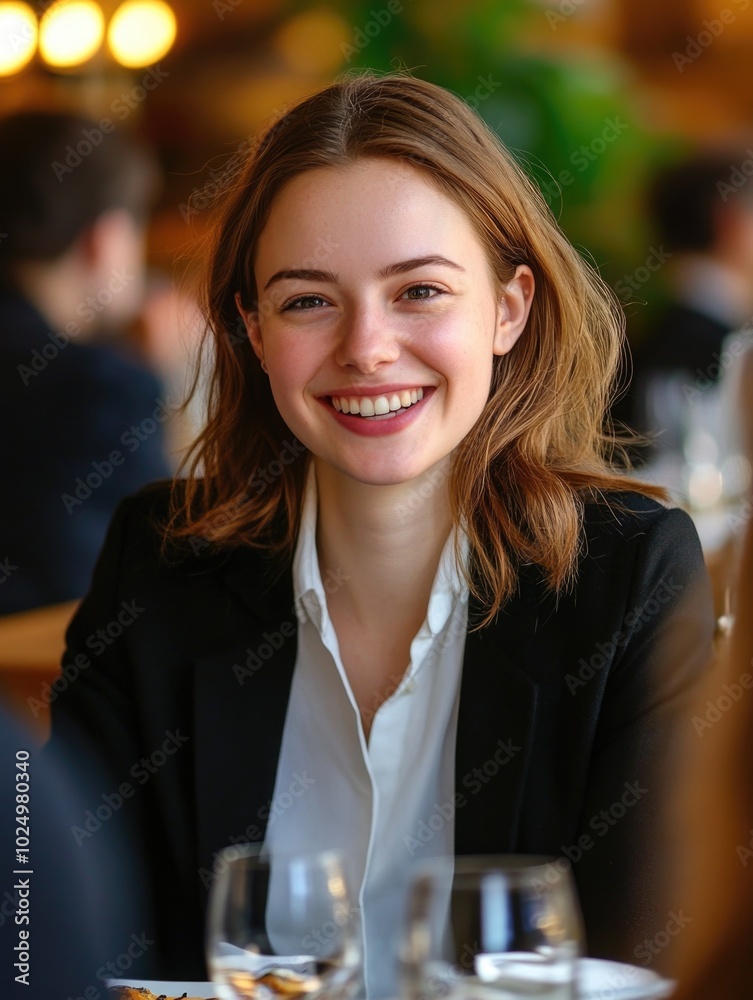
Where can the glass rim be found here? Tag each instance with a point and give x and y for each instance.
(510, 865)
(261, 854)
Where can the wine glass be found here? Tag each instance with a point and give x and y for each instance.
(281, 925)
(492, 928)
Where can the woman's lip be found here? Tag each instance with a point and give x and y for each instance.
(372, 427)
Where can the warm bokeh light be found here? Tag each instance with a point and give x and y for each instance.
(311, 42)
(18, 36)
(141, 32)
(71, 32)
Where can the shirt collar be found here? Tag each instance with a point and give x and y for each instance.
(309, 589)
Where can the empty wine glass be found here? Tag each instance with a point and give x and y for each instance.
(493, 928)
(281, 925)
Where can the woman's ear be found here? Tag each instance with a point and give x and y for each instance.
(514, 307)
(251, 322)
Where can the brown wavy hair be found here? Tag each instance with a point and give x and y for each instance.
(519, 479)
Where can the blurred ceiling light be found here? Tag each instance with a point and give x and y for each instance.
(18, 36)
(71, 31)
(141, 32)
(311, 42)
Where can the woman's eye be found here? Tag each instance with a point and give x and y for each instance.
(303, 303)
(416, 292)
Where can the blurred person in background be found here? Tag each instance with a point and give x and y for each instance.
(702, 210)
(82, 417)
(714, 827)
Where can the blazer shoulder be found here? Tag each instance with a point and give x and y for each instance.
(620, 520)
(140, 528)
(140, 524)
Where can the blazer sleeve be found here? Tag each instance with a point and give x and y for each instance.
(623, 873)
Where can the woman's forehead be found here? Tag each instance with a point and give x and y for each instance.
(375, 211)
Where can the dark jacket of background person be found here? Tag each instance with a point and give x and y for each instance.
(79, 428)
(75, 913)
(559, 698)
(705, 229)
(78, 433)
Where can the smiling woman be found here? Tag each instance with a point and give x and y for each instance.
(443, 565)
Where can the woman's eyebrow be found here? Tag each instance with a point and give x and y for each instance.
(303, 274)
(307, 274)
(416, 262)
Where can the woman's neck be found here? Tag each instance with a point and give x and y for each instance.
(382, 543)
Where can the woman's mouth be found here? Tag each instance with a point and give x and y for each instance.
(378, 407)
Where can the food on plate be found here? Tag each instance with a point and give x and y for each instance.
(140, 993)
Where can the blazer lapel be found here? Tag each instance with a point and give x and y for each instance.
(240, 702)
(494, 741)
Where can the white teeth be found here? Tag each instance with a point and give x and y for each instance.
(371, 406)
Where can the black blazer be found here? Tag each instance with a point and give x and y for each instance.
(179, 676)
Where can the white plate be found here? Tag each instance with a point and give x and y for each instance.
(599, 978)
(203, 990)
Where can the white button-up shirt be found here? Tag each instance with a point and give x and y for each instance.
(387, 803)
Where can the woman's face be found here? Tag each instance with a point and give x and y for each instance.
(378, 318)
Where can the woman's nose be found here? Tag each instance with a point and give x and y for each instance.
(367, 340)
